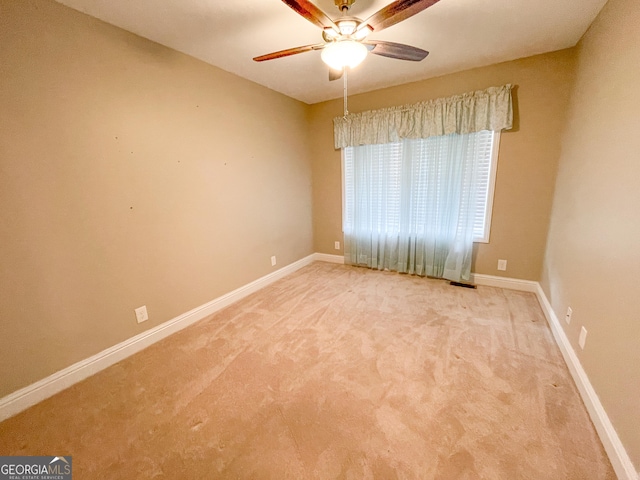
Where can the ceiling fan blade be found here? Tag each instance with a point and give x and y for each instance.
(397, 50)
(312, 13)
(334, 74)
(396, 12)
(288, 52)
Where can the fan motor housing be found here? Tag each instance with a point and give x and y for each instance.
(344, 4)
(353, 24)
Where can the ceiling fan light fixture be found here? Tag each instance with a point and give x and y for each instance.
(347, 27)
(345, 53)
(362, 31)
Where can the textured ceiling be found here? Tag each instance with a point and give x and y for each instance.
(460, 34)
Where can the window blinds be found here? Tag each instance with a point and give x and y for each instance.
(402, 192)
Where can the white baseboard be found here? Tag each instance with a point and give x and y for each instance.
(504, 282)
(613, 446)
(45, 388)
(326, 257)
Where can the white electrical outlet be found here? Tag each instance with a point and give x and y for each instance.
(502, 265)
(583, 337)
(141, 314)
(336, 245)
(567, 317)
(273, 261)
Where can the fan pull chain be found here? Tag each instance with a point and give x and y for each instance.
(344, 76)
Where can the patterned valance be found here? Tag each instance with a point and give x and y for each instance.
(489, 109)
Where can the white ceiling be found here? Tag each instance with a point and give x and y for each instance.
(460, 34)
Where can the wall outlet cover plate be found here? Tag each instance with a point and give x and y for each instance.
(141, 314)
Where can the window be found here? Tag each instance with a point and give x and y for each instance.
(393, 181)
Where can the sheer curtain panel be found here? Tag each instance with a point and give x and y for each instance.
(413, 181)
(410, 206)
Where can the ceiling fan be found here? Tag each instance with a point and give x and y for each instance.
(345, 39)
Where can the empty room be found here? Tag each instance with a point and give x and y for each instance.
(320, 239)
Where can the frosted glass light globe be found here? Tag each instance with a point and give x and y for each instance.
(344, 53)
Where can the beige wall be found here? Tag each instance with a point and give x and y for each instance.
(130, 174)
(593, 254)
(526, 166)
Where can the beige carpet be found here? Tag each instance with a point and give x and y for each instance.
(332, 372)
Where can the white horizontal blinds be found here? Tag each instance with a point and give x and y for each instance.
(435, 160)
(427, 186)
(348, 189)
(416, 201)
(484, 155)
(441, 203)
(465, 147)
(392, 178)
(407, 187)
(372, 175)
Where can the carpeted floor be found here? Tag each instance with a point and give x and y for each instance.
(333, 372)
